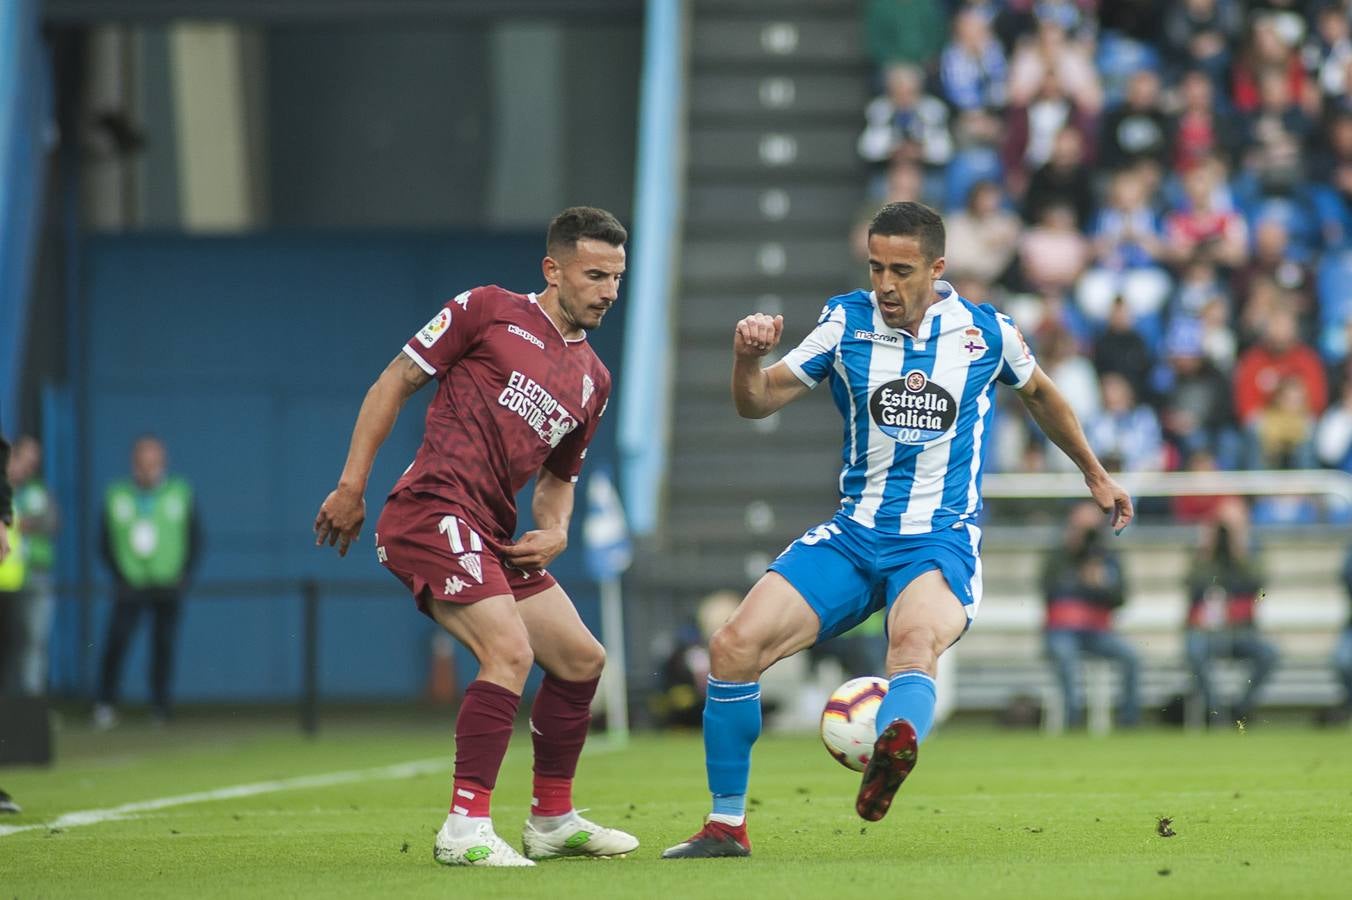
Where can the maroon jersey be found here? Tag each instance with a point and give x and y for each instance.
(512, 395)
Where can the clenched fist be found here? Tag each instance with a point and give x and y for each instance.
(757, 335)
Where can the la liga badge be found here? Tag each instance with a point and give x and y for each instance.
(433, 330)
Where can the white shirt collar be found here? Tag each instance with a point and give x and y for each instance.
(550, 319)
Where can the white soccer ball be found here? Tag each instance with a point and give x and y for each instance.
(848, 720)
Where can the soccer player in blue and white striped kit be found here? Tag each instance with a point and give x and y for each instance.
(912, 368)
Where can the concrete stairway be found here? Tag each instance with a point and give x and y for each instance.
(776, 94)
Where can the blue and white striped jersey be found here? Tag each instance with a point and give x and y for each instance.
(917, 409)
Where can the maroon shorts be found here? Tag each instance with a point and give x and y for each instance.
(431, 547)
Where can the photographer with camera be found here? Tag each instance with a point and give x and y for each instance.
(1082, 584)
(1224, 583)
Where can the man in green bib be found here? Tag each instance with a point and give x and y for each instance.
(150, 542)
(7, 804)
(35, 513)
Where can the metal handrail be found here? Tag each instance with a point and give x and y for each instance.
(1300, 482)
(310, 592)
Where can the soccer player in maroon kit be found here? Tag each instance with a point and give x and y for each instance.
(519, 394)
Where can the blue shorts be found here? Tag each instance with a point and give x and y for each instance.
(847, 571)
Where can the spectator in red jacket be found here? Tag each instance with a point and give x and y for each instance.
(1200, 230)
(1201, 127)
(1262, 368)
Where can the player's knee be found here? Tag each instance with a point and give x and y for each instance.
(737, 654)
(588, 663)
(733, 653)
(512, 656)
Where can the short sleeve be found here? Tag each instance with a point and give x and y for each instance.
(811, 360)
(565, 460)
(450, 334)
(1016, 363)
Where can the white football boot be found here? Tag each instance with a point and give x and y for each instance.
(576, 836)
(481, 848)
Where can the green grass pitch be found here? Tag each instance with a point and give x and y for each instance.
(1267, 813)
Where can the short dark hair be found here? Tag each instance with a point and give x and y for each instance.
(910, 219)
(579, 223)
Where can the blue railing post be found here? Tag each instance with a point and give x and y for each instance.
(645, 395)
(309, 695)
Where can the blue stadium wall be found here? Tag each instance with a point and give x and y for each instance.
(250, 356)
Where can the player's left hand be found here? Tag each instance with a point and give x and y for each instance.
(536, 549)
(1112, 498)
(340, 519)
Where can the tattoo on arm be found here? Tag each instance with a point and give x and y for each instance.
(411, 375)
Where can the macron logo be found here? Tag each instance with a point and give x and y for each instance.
(523, 333)
(877, 338)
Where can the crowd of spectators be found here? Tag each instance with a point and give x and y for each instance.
(1159, 193)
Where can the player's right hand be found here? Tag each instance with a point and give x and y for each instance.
(757, 335)
(340, 519)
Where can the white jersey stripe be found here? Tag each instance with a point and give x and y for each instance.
(983, 407)
(883, 367)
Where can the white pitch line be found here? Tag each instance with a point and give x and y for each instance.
(97, 816)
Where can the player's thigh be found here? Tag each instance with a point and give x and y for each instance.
(772, 622)
(830, 569)
(490, 628)
(562, 643)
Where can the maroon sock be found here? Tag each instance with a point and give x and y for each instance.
(482, 730)
(559, 721)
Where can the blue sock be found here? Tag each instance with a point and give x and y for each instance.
(910, 696)
(732, 722)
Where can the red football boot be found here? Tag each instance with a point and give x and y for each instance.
(713, 840)
(894, 755)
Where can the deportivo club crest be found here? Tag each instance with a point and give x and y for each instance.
(587, 387)
(913, 409)
(974, 342)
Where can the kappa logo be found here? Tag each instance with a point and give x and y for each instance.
(472, 564)
(380, 555)
(463, 300)
(454, 585)
(973, 342)
(890, 339)
(588, 386)
(525, 335)
(433, 330)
